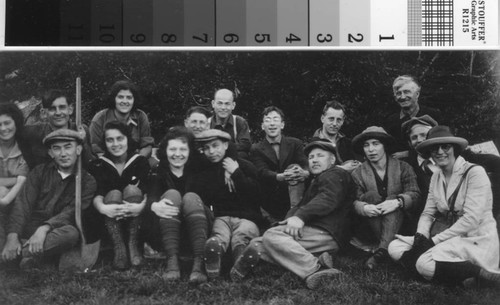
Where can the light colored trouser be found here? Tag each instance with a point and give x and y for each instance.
(233, 230)
(425, 265)
(277, 247)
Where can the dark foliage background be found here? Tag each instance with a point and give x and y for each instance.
(462, 84)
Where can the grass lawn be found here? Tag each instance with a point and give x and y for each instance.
(268, 284)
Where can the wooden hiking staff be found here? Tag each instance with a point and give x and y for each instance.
(83, 256)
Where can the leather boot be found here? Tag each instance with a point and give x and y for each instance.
(237, 252)
(120, 260)
(455, 272)
(173, 272)
(245, 263)
(133, 242)
(197, 275)
(213, 254)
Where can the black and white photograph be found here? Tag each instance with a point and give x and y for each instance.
(249, 177)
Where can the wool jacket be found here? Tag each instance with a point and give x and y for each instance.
(276, 200)
(243, 203)
(327, 203)
(47, 198)
(401, 183)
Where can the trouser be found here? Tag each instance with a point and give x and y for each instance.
(234, 231)
(277, 247)
(58, 240)
(385, 227)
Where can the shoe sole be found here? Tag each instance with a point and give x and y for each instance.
(213, 251)
(314, 280)
(245, 263)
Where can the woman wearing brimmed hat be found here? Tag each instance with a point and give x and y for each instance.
(467, 249)
(385, 189)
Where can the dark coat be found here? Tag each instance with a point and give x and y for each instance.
(275, 199)
(327, 203)
(46, 198)
(394, 122)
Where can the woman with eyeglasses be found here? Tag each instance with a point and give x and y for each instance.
(466, 250)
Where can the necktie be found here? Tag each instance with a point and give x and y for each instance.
(426, 167)
(276, 148)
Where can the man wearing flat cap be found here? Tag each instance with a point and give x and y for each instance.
(386, 190)
(237, 210)
(317, 225)
(42, 220)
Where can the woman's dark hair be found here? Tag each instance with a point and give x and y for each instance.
(123, 129)
(176, 132)
(16, 114)
(123, 85)
(51, 95)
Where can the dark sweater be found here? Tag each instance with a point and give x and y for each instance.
(243, 203)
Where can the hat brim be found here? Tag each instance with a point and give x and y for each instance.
(208, 139)
(49, 142)
(424, 147)
(357, 141)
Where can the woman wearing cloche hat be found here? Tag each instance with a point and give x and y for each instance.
(386, 188)
(467, 248)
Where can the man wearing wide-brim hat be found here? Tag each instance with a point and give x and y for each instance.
(319, 223)
(42, 220)
(468, 246)
(386, 189)
(236, 210)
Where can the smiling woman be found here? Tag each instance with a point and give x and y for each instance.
(13, 167)
(121, 177)
(179, 215)
(122, 101)
(467, 249)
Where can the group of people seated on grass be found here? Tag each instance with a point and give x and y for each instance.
(411, 191)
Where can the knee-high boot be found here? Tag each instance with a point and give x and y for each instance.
(455, 272)
(133, 225)
(120, 260)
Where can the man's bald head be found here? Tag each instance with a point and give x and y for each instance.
(223, 103)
